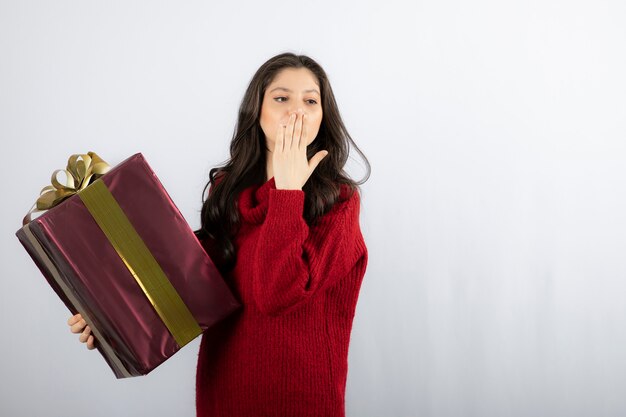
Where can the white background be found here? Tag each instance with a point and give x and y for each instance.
(494, 215)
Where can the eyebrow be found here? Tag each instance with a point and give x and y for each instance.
(289, 91)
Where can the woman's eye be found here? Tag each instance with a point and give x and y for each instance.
(310, 101)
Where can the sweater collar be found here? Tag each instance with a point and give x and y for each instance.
(254, 201)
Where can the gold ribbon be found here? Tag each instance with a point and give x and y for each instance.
(140, 262)
(79, 173)
(124, 238)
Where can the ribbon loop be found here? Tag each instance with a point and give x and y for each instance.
(79, 174)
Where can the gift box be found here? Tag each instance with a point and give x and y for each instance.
(116, 249)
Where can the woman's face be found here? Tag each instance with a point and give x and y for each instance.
(291, 89)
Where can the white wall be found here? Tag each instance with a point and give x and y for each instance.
(494, 215)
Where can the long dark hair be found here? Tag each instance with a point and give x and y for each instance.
(247, 164)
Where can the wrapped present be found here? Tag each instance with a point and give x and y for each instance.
(115, 248)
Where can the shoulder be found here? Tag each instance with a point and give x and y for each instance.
(349, 196)
(348, 204)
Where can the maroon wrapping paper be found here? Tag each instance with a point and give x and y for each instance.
(88, 275)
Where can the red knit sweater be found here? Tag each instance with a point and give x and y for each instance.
(285, 352)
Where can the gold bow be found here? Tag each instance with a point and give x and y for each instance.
(79, 174)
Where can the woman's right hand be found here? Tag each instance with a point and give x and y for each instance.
(78, 325)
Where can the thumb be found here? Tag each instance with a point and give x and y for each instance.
(316, 159)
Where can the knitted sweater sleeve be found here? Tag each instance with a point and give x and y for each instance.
(292, 261)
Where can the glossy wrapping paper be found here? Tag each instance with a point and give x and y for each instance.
(86, 272)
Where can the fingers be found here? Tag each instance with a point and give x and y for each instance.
(297, 130)
(91, 343)
(84, 335)
(74, 319)
(289, 132)
(280, 138)
(290, 137)
(79, 326)
(303, 138)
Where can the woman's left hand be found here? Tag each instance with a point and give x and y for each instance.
(289, 162)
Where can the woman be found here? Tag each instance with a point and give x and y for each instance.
(281, 222)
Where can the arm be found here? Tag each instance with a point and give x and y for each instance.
(292, 261)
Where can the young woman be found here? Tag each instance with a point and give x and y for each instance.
(281, 222)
